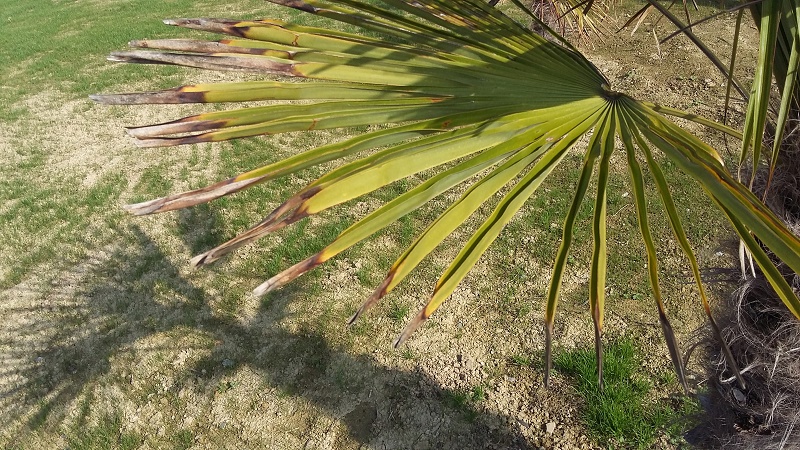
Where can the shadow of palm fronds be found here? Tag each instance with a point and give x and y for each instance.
(127, 335)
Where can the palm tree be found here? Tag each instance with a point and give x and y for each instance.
(762, 335)
(469, 91)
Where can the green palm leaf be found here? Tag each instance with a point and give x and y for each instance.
(625, 129)
(465, 90)
(778, 57)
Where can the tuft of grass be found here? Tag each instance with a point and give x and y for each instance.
(466, 400)
(478, 393)
(397, 312)
(407, 353)
(41, 415)
(225, 386)
(521, 361)
(365, 275)
(183, 439)
(623, 414)
(107, 434)
(512, 305)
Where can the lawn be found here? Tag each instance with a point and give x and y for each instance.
(109, 340)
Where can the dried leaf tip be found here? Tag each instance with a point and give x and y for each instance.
(355, 316)
(266, 287)
(376, 295)
(199, 260)
(364, 306)
(108, 99)
(144, 208)
(286, 276)
(548, 352)
(412, 326)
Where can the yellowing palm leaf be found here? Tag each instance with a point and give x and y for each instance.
(465, 87)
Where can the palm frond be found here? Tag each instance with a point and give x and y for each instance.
(465, 89)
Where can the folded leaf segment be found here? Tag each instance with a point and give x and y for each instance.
(465, 89)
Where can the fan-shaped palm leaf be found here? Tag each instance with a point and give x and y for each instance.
(467, 89)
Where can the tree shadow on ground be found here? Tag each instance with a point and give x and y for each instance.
(137, 292)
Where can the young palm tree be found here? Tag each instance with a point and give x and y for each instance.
(468, 90)
(763, 336)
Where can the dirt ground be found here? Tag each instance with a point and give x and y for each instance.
(128, 346)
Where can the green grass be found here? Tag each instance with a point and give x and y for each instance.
(43, 223)
(466, 401)
(397, 312)
(106, 435)
(183, 439)
(628, 412)
(520, 361)
(62, 44)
